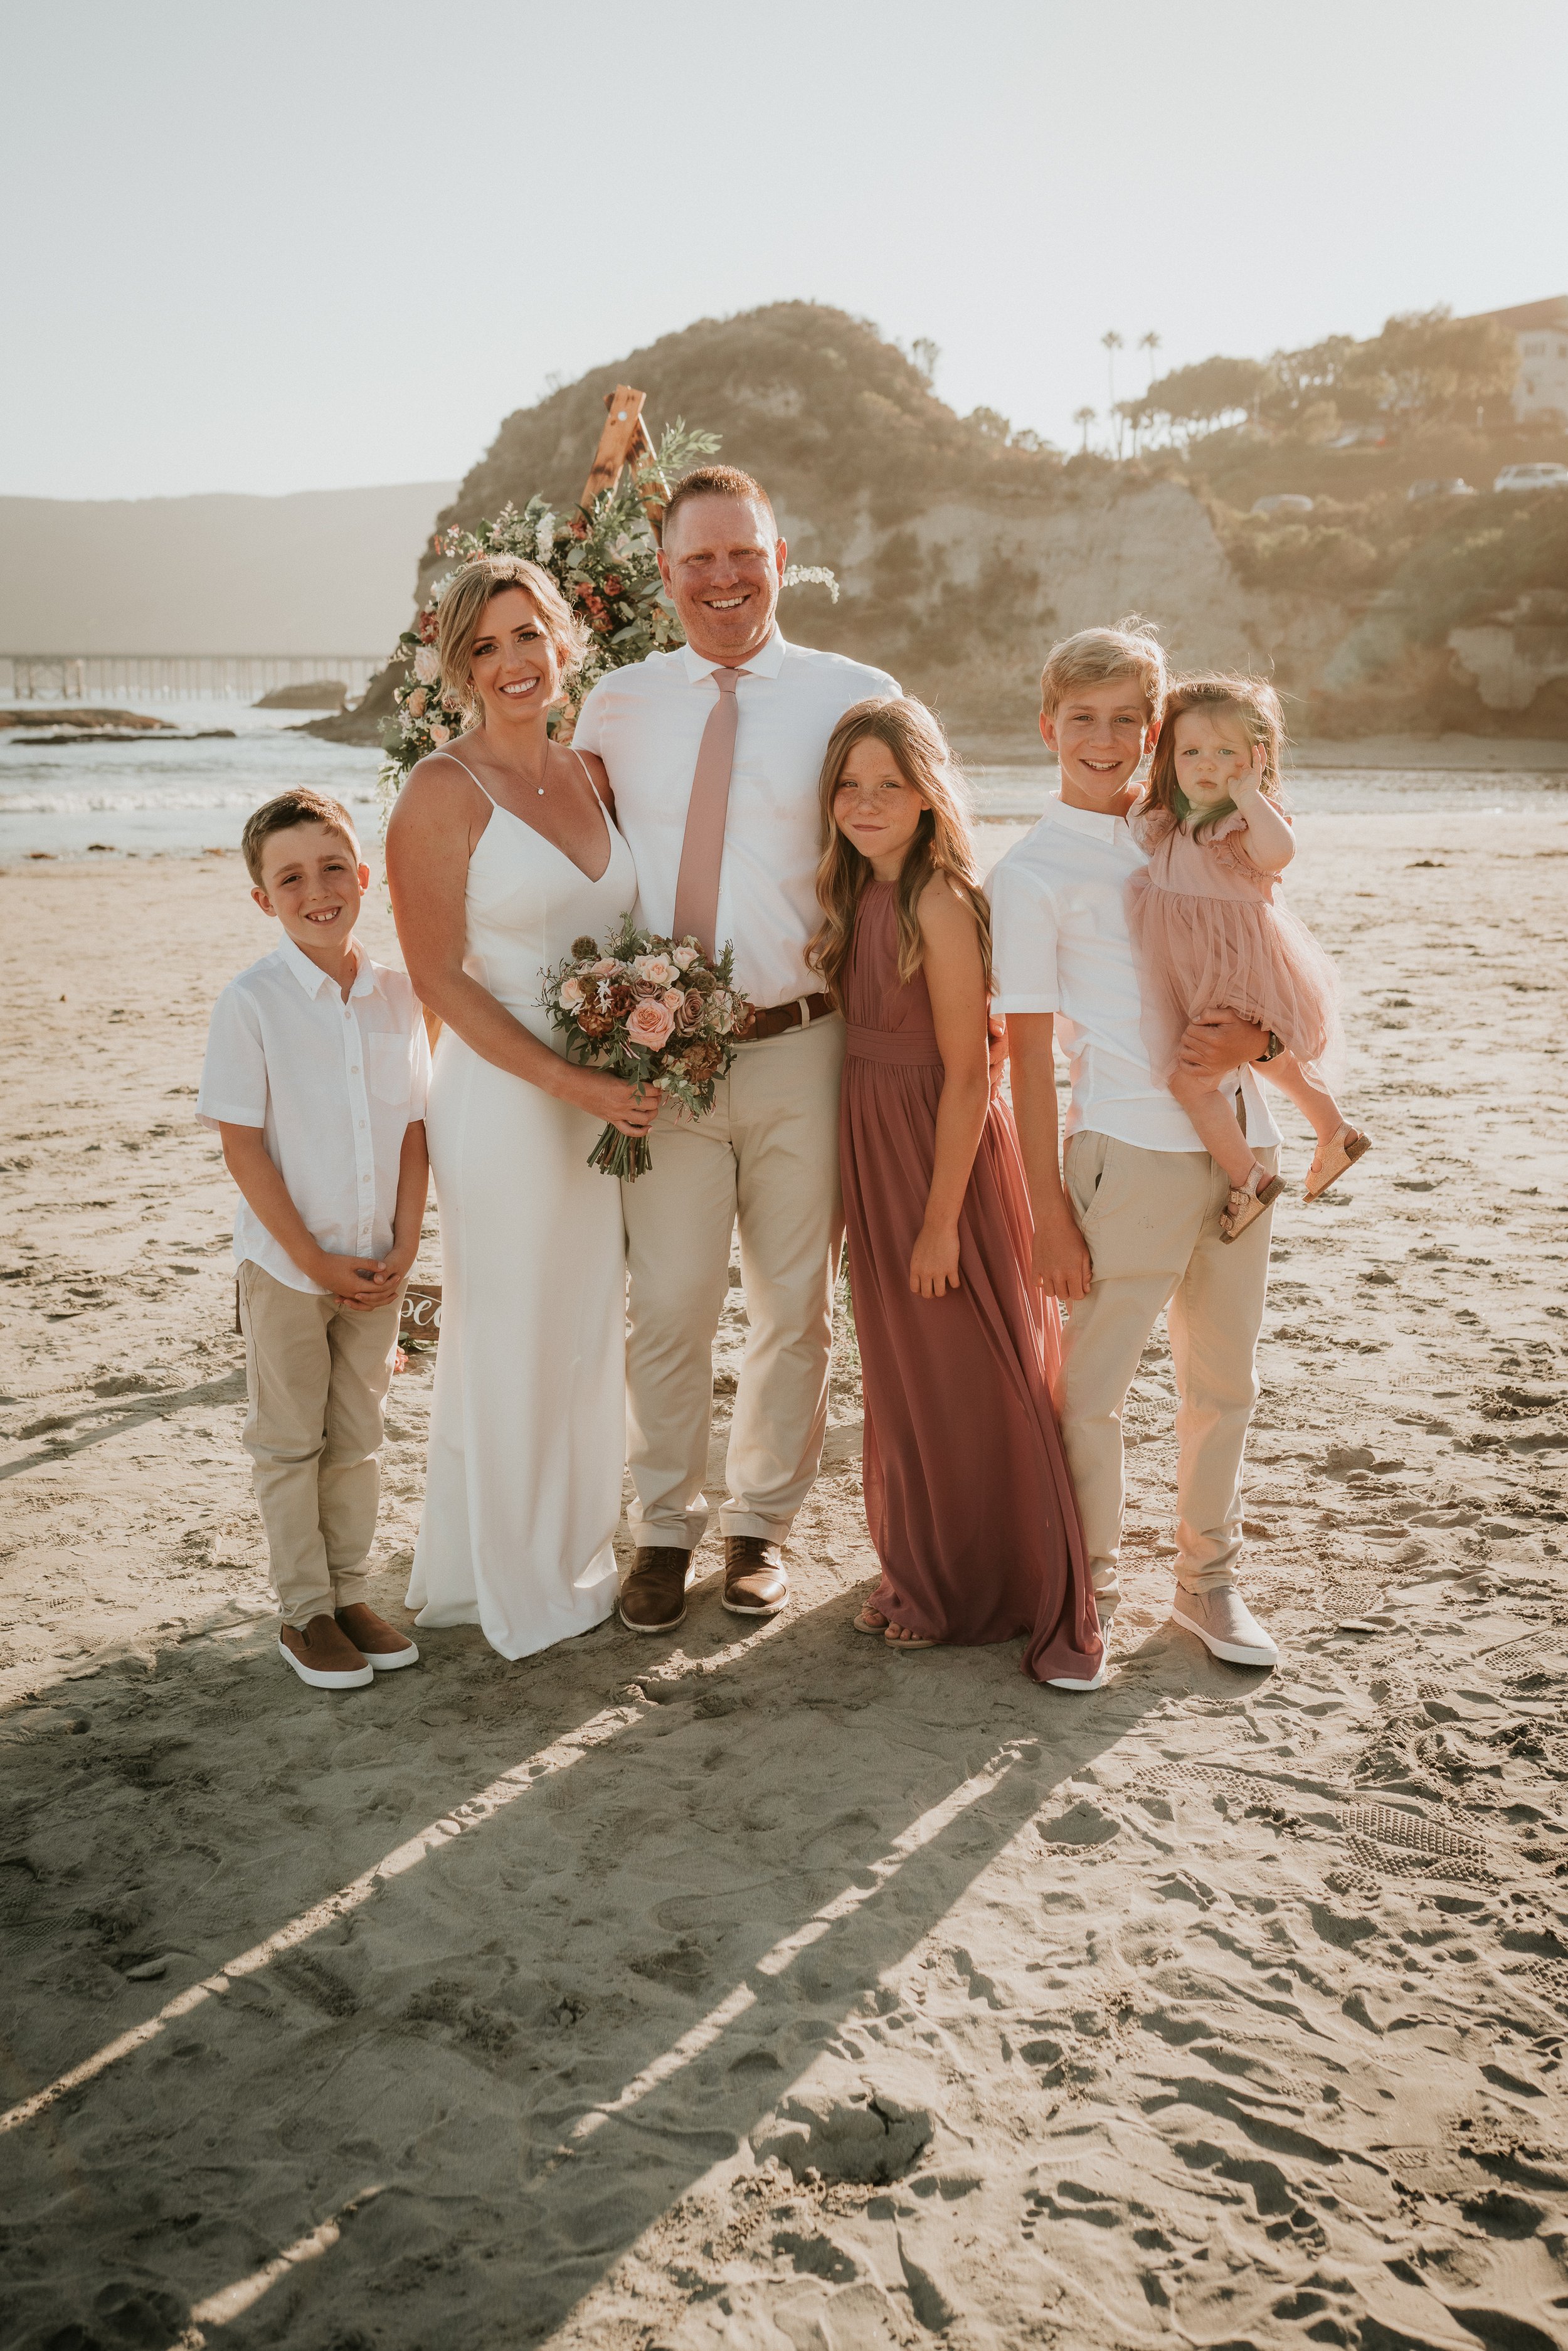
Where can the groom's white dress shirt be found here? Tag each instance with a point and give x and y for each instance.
(1060, 944)
(646, 722)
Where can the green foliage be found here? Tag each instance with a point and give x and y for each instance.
(1481, 563)
(1425, 366)
(1197, 398)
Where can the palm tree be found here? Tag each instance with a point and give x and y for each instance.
(1111, 343)
(1150, 343)
(1083, 418)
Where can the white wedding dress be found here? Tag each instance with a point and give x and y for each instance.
(527, 1427)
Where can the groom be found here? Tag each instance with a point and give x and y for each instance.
(714, 755)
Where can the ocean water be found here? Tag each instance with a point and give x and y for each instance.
(71, 800)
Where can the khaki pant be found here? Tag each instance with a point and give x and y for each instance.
(317, 1375)
(1152, 1222)
(768, 1153)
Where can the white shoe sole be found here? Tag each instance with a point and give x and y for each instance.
(318, 1680)
(1231, 1652)
(1060, 1681)
(668, 1626)
(736, 1609)
(392, 1661)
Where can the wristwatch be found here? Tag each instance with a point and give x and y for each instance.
(1276, 1047)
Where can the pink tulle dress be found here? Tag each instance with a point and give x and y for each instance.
(1209, 932)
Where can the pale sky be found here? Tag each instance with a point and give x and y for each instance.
(264, 246)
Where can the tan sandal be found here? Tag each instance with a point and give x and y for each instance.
(1331, 1158)
(869, 1620)
(1245, 1207)
(896, 1637)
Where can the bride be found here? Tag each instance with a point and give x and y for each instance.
(500, 852)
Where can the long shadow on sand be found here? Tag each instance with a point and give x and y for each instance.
(535, 2037)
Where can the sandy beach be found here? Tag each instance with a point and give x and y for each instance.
(773, 1990)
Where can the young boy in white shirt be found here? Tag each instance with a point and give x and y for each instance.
(1126, 1215)
(315, 1079)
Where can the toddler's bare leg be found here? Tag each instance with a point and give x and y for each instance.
(1319, 1110)
(1218, 1129)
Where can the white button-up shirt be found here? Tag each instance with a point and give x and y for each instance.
(646, 724)
(1060, 944)
(332, 1086)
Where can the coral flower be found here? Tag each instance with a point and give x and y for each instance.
(650, 1025)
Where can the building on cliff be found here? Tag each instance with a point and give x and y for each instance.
(1542, 329)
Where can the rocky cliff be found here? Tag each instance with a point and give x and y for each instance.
(963, 549)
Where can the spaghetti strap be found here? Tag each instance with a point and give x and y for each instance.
(587, 774)
(472, 778)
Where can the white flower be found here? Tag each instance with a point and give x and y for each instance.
(810, 575)
(545, 541)
(659, 970)
(427, 665)
(685, 958)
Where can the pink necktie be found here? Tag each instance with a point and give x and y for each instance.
(702, 849)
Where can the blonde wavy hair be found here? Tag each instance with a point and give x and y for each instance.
(942, 844)
(1094, 656)
(460, 615)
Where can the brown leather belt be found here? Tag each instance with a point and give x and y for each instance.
(776, 1017)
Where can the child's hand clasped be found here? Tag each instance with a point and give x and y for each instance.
(360, 1282)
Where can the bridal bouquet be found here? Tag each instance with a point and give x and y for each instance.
(652, 1011)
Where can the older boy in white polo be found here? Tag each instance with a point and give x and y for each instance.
(315, 1077)
(1127, 1219)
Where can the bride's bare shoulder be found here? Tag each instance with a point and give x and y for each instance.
(437, 790)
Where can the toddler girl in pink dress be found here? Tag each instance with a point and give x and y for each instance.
(1210, 935)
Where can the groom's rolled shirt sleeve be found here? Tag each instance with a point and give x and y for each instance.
(1023, 942)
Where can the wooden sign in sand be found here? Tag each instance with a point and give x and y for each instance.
(420, 1321)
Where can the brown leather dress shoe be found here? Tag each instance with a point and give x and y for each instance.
(755, 1581)
(654, 1596)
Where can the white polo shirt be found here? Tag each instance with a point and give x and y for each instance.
(332, 1085)
(646, 724)
(1060, 944)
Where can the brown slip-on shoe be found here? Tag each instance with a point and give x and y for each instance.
(383, 1648)
(755, 1582)
(654, 1596)
(322, 1655)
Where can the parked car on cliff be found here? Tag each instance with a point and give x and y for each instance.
(1455, 488)
(1282, 502)
(1540, 476)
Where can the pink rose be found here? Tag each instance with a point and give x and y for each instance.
(657, 969)
(573, 994)
(650, 1025)
(603, 969)
(673, 999)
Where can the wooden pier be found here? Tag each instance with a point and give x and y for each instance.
(175, 677)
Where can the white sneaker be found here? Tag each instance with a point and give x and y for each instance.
(1225, 1626)
(1063, 1681)
(1066, 1682)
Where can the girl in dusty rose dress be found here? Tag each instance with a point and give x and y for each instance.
(966, 1488)
(1210, 936)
